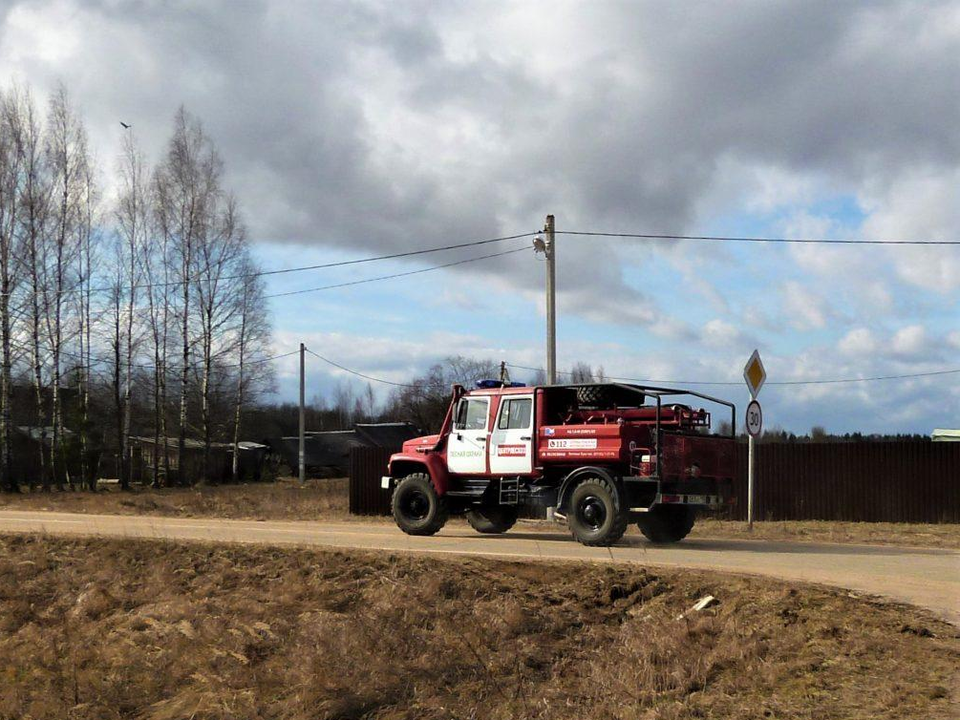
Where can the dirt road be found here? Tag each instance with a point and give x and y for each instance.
(926, 577)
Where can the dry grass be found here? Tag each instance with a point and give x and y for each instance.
(161, 631)
(284, 499)
(944, 535)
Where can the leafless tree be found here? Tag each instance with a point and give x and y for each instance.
(132, 225)
(88, 238)
(187, 190)
(34, 210)
(252, 341)
(10, 175)
(156, 259)
(424, 399)
(67, 163)
(74, 309)
(343, 404)
(581, 372)
(219, 255)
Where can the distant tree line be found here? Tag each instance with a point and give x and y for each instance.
(818, 434)
(424, 400)
(138, 312)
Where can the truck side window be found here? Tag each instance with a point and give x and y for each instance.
(471, 414)
(515, 414)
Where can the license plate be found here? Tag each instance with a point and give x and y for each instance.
(696, 499)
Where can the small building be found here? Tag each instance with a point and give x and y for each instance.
(148, 454)
(940, 435)
(29, 441)
(327, 453)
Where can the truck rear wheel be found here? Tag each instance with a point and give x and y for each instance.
(595, 517)
(667, 523)
(417, 508)
(492, 519)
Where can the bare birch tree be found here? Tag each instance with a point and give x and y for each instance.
(177, 272)
(67, 162)
(132, 224)
(219, 253)
(156, 259)
(34, 206)
(10, 173)
(88, 237)
(188, 188)
(252, 341)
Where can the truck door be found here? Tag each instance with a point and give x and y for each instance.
(511, 441)
(467, 445)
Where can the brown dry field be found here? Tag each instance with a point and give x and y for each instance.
(327, 499)
(155, 630)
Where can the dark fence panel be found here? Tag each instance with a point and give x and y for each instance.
(865, 481)
(367, 466)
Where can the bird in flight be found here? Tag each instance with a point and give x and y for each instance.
(125, 126)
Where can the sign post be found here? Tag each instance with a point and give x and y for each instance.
(754, 375)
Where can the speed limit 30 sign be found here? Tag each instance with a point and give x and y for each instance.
(754, 418)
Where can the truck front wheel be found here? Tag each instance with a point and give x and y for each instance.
(416, 506)
(492, 519)
(595, 517)
(667, 523)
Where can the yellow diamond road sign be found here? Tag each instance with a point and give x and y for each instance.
(754, 374)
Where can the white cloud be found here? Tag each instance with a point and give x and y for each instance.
(805, 309)
(921, 204)
(910, 341)
(374, 127)
(721, 334)
(858, 343)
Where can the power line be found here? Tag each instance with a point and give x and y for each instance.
(727, 238)
(104, 360)
(301, 268)
(397, 275)
(410, 253)
(781, 383)
(355, 372)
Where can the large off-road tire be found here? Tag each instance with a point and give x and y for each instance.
(594, 513)
(492, 519)
(667, 523)
(416, 506)
(595, 396)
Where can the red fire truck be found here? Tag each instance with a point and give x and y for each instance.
(597, 455)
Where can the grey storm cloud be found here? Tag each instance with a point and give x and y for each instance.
(376, 126)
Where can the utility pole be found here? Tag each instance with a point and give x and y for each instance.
(302, 456)
(549, 252)
(750, 456)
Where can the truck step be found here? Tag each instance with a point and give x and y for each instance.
(509, 491)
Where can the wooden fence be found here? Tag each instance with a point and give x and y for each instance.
(862, 481)
(367, 466)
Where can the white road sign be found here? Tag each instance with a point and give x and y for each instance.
(754, 419)
(754, 374)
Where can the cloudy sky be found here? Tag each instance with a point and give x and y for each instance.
(357, 129)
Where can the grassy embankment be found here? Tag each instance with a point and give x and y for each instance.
(156, 630)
